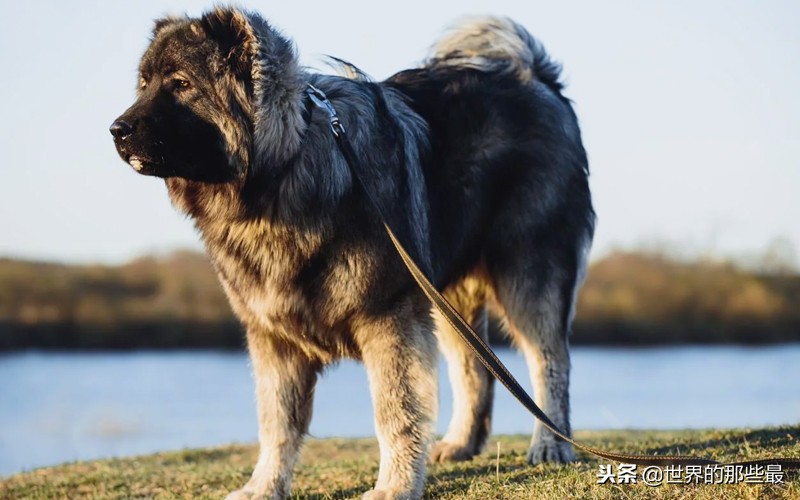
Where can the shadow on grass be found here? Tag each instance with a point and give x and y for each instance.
(764, 439)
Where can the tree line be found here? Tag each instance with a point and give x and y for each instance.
(174, 301)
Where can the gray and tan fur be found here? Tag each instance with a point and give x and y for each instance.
(477, 161)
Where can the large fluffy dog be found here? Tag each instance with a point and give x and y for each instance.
(476, 159)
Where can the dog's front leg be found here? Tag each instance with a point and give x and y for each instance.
(399, 353)
(284, 379)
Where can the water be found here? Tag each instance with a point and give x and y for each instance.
(57, 407)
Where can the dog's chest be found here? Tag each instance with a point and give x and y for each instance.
(257, 273)
(283, 288)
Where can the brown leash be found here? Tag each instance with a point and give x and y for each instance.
(481, 349)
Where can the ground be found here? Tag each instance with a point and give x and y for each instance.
(344, 468)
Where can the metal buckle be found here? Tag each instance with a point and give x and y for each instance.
(321, 101)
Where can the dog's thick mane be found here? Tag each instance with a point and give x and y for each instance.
(278, 84)
(275, 80)
(295, 174)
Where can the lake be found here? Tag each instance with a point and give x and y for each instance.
(58, 407)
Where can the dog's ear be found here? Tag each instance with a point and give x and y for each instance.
(232, 31)
(162, 23)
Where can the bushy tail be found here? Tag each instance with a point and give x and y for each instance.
(496, 44)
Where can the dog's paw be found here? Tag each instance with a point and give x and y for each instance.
(551, 451)
(442, 451)
(387, 495)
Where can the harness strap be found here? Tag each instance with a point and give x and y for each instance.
(481, 349)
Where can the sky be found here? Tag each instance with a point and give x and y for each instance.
(690, 113)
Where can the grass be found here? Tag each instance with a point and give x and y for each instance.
(344, 468)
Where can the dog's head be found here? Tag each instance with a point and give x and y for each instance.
(217, 100)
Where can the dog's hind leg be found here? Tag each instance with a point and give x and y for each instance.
(535, 289)
(399, 353)
(472, 384)
(535, 326)
(285, 379)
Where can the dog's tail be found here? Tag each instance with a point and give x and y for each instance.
(496, 44)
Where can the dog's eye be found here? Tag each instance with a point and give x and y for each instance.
(179, 84)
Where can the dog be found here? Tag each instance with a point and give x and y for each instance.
(475, 159)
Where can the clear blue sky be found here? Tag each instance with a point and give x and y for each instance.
(690, 113)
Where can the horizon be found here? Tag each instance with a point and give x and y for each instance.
(689, 115)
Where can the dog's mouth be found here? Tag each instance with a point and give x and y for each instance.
(142, 165)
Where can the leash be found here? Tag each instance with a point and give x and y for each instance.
(481, 349)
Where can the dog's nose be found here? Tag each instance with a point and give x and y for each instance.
(121, 129)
